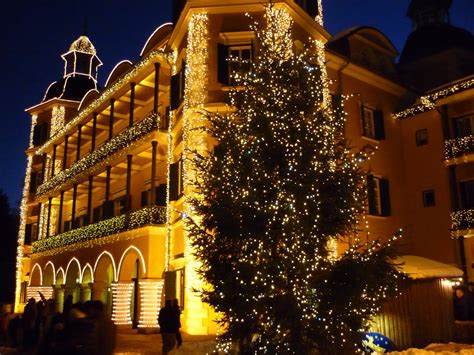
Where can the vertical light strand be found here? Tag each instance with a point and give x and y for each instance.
(195, 96)
(34, 120)
(319, 16)
(57, 119)
(321, 58)
(21, 233)
(121, 302)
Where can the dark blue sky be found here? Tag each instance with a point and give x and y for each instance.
(35, 33)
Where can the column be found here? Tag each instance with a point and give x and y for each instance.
(107, 213)
(38, 222)
(157, 87)
(98, 288)
(94, 130)
(121, 299)
(53, 162)
(132, 103)
(43, 167)
(73, 212)
(60, 217)
(66, 137)
(86, 293)
(59, 297)
(48, 220)
(150, 302)
(129, 179)
(78, 150)
(111, 118)
(152, 200)
(89, 200)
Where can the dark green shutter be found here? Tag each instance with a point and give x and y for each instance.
(174, 181)
(175, 79)
(161, 195)
(371, 195)
(222, 64)
(144, 198)
(384, 197)
(379, 125)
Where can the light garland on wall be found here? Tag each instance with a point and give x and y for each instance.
(106, 95)
(145, 216)
(150, 302)
(319, 16)
(33, 292)
(58, 116)
(458, 146)
(428, 102)
(34, 120)
(461, 220)
(21, 233)
(121, 302)
(91, 163)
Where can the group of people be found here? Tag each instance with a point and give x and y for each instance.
(169, 321)
(82, 328)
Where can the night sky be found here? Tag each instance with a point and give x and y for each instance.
(36, 32)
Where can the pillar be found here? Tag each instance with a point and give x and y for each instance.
(73, 212)
(94, 130)
(86, 292)
(48, 219)
(132, 103)
(43, 168)
(152, 201)
(60, 217)
(59, 297)
(53, 162)
(129, 179)
(66, 137)
(111, 118)
(121, 303)
(150, 302)
(89, 200)
(79, 137)
(38, 222)
(98, 289)
(156, 87)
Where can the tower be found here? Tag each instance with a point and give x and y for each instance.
(429, 12)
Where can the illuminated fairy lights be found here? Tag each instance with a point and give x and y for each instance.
(150, 302)
(195, 96)
(105, 95)
(122, 293)
(21, 233)
(279, 40)
(92, 232)
(319, 16)
(91, 163)
(462, 220)
(83, 44)
(428, 102)
(57, 119)
(34, 120)
(34, 292)
(458, 146)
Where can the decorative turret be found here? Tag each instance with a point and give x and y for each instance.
(428, 12)
(80, 72)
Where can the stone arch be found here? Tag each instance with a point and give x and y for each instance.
(36, 276)
(60, 276)
(86, 282)
(104, 260)
(105, 274)
(49, 274)
(73, 278)
(131, 258)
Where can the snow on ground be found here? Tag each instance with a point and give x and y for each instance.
(439, 349)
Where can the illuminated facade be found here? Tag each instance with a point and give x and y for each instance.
(103, 203)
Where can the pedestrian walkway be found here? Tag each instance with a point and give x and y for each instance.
(129, 342)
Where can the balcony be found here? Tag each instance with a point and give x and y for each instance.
(115, 147)
(459, 150)
(462, 223)
(90, 235)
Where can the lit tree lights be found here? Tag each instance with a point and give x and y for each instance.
(271, 198)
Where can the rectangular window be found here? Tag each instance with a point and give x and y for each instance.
(97, 214)
(467, 194)
(422, 137)
(429, 198)
(378, 196)
(372, 123)
(231, 60)
(120, 206)
(464, 126)
(40, 133)
(177, 87)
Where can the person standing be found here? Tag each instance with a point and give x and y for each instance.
(177, 314)
(169, 326)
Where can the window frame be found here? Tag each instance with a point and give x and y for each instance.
(426, 202)
(419, 139)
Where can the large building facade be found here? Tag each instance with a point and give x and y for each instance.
(104, 197)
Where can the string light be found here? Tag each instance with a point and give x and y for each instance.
(93, 233)
(34, 292)
(58, 115)
(454, 148)
(462, 223)
(150, 302)
(122, 293)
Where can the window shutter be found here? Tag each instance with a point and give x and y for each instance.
(371, 195)
(161, 195)
(385, 197)
(174, 181)
(312, 8)
(222, 64)
(379, 126)
(37, 135)
(144, 199)
(28, 235)
(175, 79)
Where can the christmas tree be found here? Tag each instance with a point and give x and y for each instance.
(280, 188)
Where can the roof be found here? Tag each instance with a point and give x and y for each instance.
(436, 38)
(417, 267)
(70, 88)
(83, 44)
